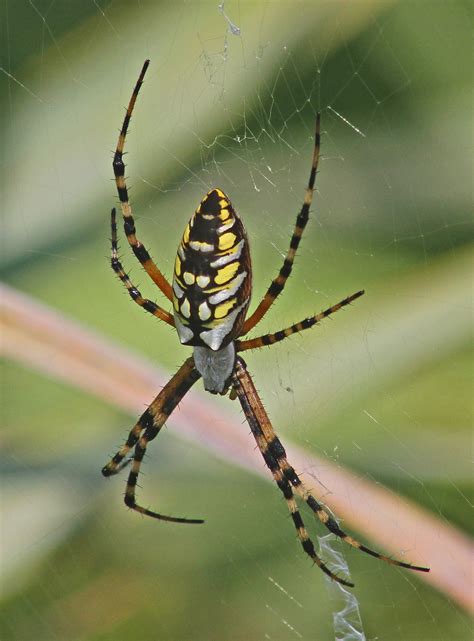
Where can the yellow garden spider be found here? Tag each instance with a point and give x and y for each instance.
(212, 284)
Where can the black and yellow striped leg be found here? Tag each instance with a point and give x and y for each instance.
(277, 285)
(277, 452)
(259, 422)
(270, 339)
(117, 462)
(133, 291)
(129, 225)
(325, 518)
(146, 429)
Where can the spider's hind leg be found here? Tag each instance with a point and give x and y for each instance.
(303, 536)
(257, 418)
(277, 451)
(274, 454)
(146, 429)
(331, 523)
(130, 498)
(117, 462)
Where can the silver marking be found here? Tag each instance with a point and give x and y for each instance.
(229, 290)
(185, 308)
(181, 252)
(203, 281)
(184, 332)
(223, 228)
(204, 311)
(177, 289)
(201, 246)
(188, 278)
(229, 258)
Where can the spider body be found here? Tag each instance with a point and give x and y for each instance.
(212, 283)
(210, 294)
(212, 276)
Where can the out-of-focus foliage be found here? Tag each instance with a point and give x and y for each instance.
(392, 212)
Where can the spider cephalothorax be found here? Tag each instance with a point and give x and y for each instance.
(210, 294)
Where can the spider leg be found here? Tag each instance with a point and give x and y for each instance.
(146, 429)
(129, 225)
(117, 463)
(326, 519)
(133, 291)
(257, 418)
(278, 453)
(278, 283)
(270, 339)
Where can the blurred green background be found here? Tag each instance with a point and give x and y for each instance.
(393, 81)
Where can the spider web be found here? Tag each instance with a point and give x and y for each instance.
(230, 101)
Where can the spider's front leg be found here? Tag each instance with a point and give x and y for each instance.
(133, 291)
(277, 285)
(138, 248)
(146, 429)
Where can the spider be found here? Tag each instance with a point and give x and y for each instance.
(210, 294)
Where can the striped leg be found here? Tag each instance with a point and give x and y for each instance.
(146, 429)
(257, 418)
(269, 339)
(279, 282)
(326, 518)
(277, 452)
(134, 293)
(129, 225)
(117, 462)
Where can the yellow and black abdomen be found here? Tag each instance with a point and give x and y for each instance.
(212, 278)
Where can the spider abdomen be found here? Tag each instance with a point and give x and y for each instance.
(212, 275)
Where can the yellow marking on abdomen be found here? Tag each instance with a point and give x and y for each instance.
(187, 231)
(228, 256)
(226, 273)
(226, 241)
(222, 310)
(177, 266)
